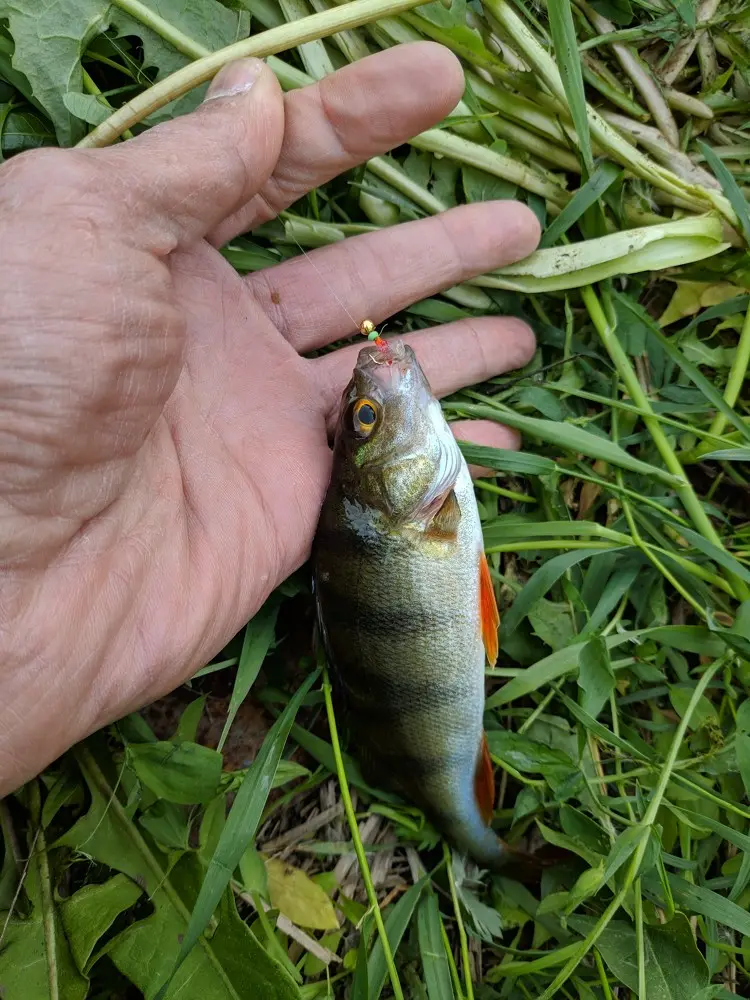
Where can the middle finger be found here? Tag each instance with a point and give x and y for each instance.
(322, 296)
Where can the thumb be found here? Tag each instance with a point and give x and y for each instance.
(180, 179)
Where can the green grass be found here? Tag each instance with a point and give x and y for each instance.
(618, 539)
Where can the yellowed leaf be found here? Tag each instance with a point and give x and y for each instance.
(691, 296)
(293, 893)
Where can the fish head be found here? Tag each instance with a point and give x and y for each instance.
(394, 451)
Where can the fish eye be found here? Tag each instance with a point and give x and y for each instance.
(365, 416)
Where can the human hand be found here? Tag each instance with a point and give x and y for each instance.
(163, 444)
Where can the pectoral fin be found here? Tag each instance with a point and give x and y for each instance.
(489, 615)
(445, 523)
(484, 782)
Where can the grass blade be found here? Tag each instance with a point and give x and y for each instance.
(699, 379)
(698, 899)
(568, 60)
(573, 439)
(397, 920)
(241, 825)
(437, 973)
(688, 638)
(731, 188)
(504, 460)
(545, 577)
(258, 637)
(600, 180)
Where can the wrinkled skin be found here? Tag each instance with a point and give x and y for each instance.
(163, 443)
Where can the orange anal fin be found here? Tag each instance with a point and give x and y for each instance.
(484, 782)
(488, 613)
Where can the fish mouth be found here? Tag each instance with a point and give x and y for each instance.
(387, 366)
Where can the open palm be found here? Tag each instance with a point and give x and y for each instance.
(164, 443)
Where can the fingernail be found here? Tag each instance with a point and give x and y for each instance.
(234, 78)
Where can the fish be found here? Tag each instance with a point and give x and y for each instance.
(406, 608)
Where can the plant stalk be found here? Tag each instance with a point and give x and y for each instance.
(286, 36)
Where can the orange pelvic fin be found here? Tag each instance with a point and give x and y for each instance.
(489, 615)
(484, 782)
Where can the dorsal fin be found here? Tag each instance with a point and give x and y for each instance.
(484, 782)
(488, 613)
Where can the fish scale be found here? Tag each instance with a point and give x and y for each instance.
(399, 601)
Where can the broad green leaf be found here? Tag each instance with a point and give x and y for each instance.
(49, 41)
(209, 25)
(293, 893)
(675, 969)
(437, 975)
(527, 755)
(106, 831)
(167, 824)
(704, 713)
(257, 640)
(568, 843)
(230, 965)
(577, 264)
(572, 438)
(481, 186)
(25, 129)
(579, 825)
(589, 193)
(568, 62)
(89, 913)
(88, 107)
(178, 772)
(595, 676)
(240, 827)
(552, 622)
(107, 834)
(36, 962)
